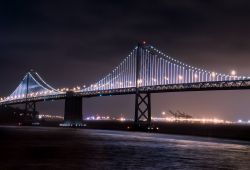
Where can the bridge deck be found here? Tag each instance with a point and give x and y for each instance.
(200, 86)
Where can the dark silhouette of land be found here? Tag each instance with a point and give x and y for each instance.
(11, 116)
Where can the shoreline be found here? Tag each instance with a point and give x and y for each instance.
(224, 131)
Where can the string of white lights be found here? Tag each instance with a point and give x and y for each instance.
(40, 78)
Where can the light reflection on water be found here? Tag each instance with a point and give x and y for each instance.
(160, 151)
(62, 148)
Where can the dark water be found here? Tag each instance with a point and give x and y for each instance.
(57, 148)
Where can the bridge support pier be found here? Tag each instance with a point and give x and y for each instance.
(30, 111)
(142, 111)
(73, 110)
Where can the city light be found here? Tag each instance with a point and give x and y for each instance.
(106, 118)
(50, 117)
(192, 120)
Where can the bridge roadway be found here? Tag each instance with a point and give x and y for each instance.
(200, 86)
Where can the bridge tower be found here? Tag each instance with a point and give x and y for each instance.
(73, 110)
(142, 100)
(30, 106)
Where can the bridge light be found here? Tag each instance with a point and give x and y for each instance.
(180, 77)
(139, 81)
(233, 73)
(213, 74)
(195, 76)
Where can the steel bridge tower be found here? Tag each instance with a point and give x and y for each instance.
(30, 106)
(142, 99)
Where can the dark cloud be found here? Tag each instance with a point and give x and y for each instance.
(78, 42)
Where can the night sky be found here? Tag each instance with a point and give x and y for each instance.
(78, 42)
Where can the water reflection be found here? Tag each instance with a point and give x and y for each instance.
(58, 148)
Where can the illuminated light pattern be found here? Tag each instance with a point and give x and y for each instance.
(156, 68)
(123, 76)
(31, 86)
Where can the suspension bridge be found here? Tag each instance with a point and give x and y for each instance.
(144, 71)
